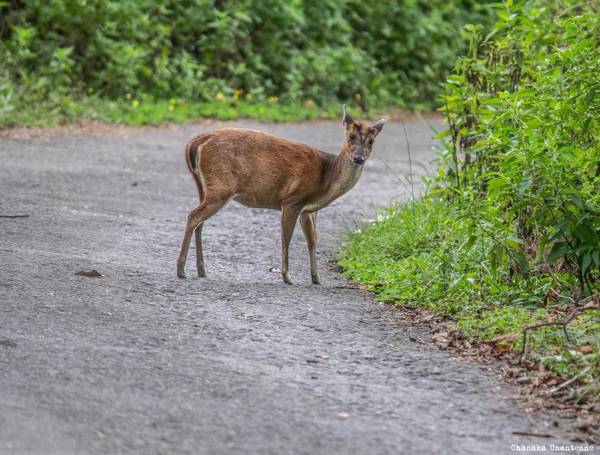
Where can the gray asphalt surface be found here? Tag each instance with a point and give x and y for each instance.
(142, 362)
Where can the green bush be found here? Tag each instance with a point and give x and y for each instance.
(522, 161)
(377, 53)
(523, 149)
(509, 233)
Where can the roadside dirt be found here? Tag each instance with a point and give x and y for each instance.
(535, 385)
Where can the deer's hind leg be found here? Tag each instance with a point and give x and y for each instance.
(199, 254)
(196, 218)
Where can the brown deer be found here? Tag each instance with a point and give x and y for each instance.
(260, 170)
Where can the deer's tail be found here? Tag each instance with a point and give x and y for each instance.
(192, 159)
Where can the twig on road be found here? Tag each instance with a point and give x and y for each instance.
(531, 433)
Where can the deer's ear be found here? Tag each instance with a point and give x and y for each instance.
(347, 119)
(378, 126)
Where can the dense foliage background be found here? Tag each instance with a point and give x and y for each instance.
(509, 234)
(524, 148)
(389, 52)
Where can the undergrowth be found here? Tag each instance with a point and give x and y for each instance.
(386, 53)
(149, 111)
(422, 255)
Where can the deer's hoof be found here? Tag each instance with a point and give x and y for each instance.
(286, 278)
(180, 272)
(316, 280)
(201, 274)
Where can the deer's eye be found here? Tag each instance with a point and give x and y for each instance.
(352, 137)
(370, 141)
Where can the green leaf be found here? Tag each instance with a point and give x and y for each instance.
(443, 134)
(585, 262)
(496, 255)
(585, 231)
(577, 201)
(521, 259)
(452, 166)
(559, 250)
(524, 185)
(471, 241)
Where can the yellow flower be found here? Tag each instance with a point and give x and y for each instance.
(272, 99)
(171, 108)
(309, 103)
(248, 96)
(220, 96)
(135, 103)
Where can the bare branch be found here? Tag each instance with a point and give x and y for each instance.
(590, 305)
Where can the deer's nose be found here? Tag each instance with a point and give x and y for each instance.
(359, 160)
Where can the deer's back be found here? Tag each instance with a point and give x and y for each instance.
(260, 169)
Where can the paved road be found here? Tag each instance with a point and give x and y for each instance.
(141, 362)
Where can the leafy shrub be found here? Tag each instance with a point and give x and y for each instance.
(524, 145)
(385, 52)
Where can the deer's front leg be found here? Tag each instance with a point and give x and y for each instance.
(289, 216)
(308, 221)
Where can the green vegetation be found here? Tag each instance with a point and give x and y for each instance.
(68, 59)
(151, 111)
(509, 233)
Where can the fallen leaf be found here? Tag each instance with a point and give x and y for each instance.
(585, 424)
(440, 337)
(454, 343)
(441, 340)
(506, 337)
(586, 349)
(91, 273)
(8, 342)
(501, 348)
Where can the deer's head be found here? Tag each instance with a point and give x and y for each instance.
(359, 140)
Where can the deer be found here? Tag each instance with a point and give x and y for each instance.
(261, 170)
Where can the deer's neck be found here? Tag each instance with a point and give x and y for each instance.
(343, 176)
